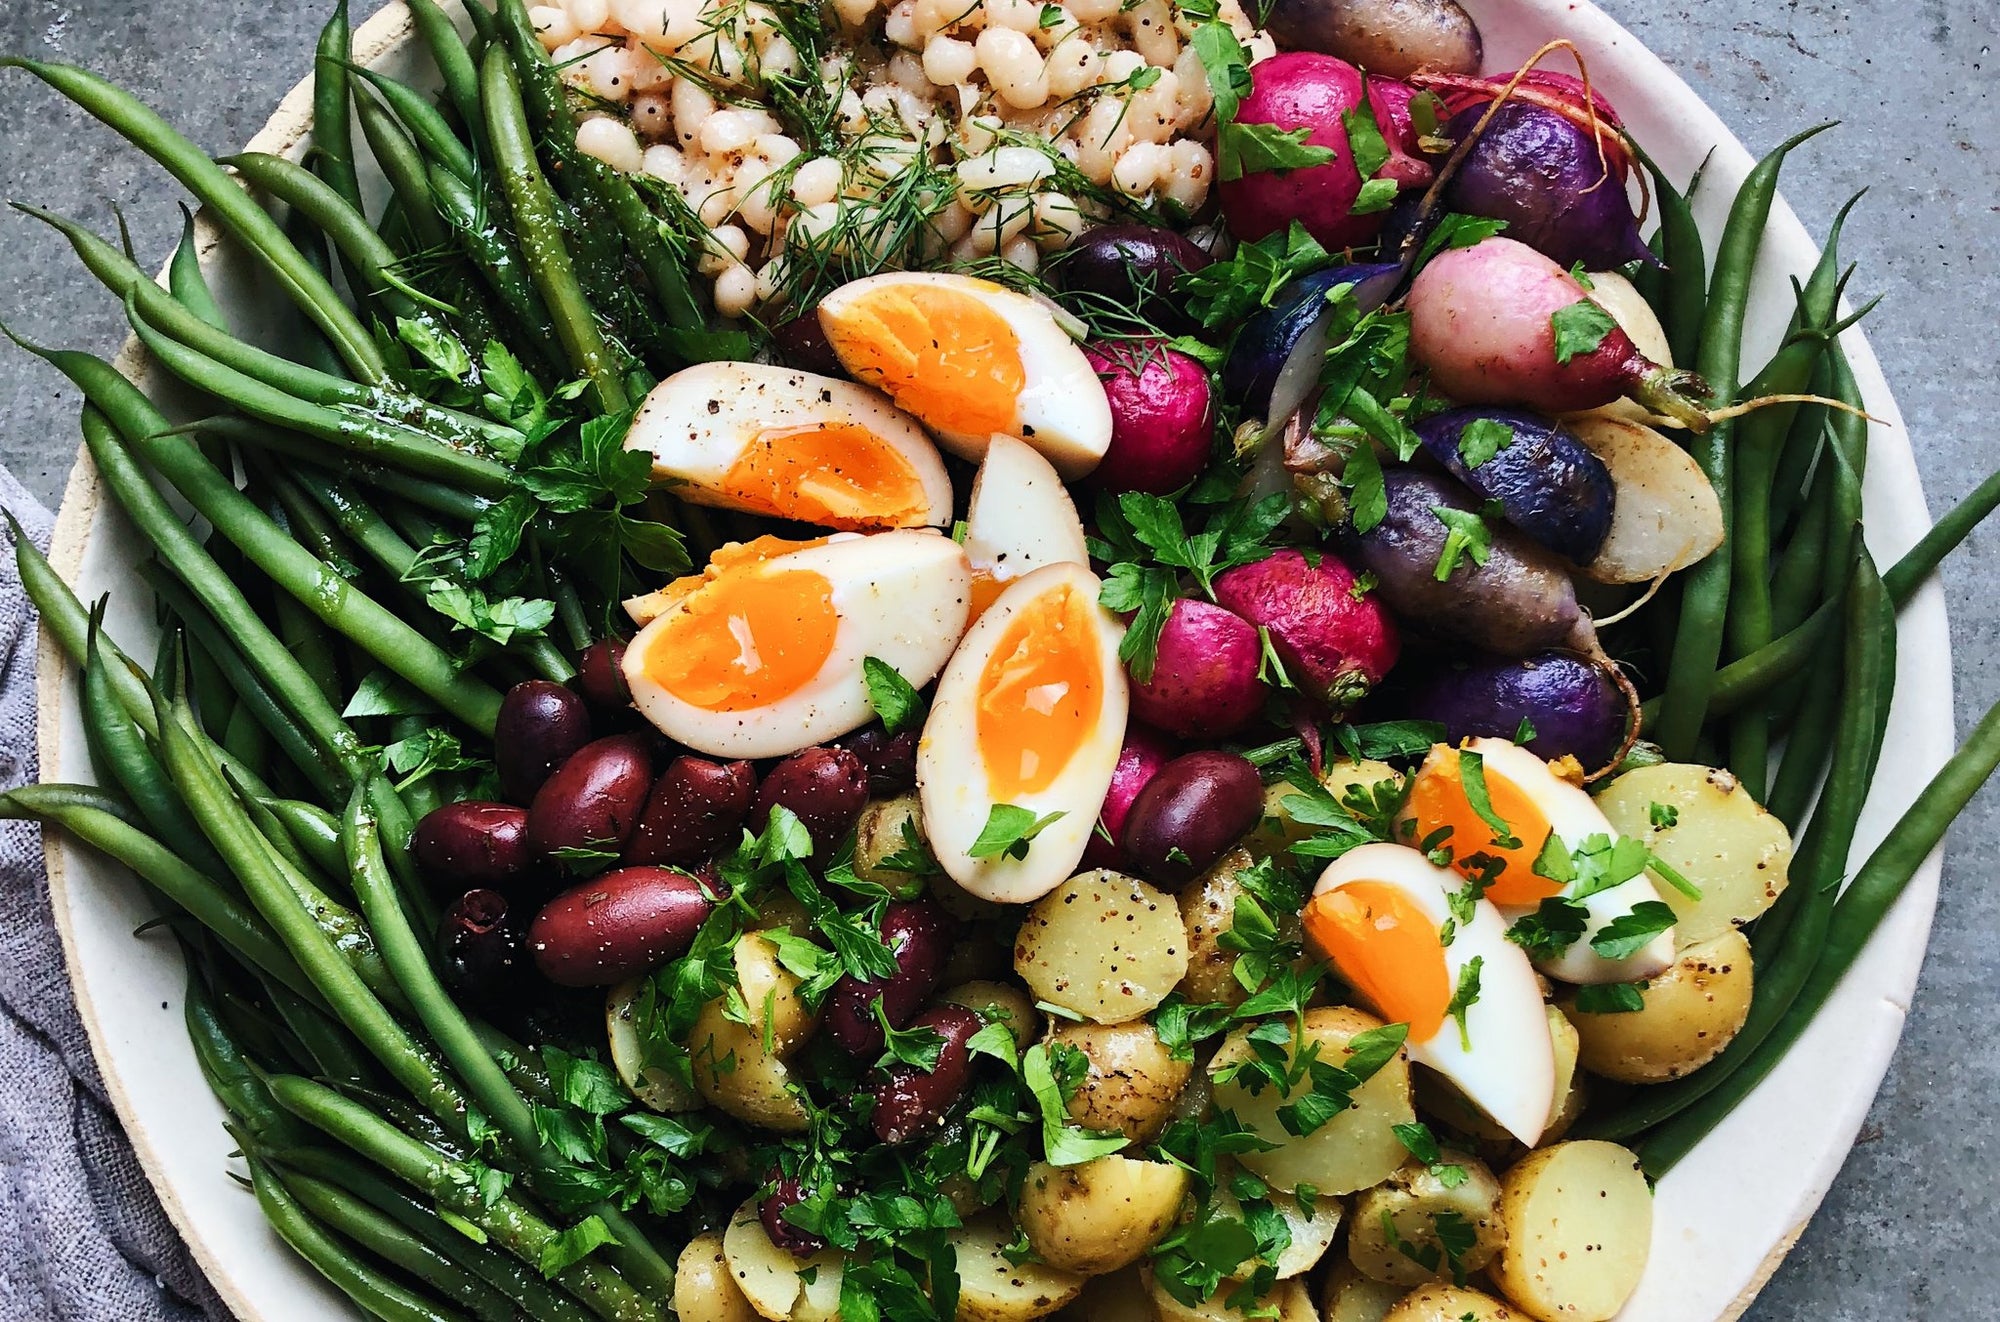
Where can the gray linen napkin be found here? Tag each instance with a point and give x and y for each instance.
(85, 1238)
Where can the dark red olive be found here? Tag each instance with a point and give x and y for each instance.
(802, 343)
(1190, 814)
(826, 788)
(911, 1101)
(473, 843)
(600, 678)
(918, 934)
(1133, 267)
(891, 759)
(617, 926)
(540, 725)
(787, 1192)
(588, 807)
(479, 948)
(695, 807)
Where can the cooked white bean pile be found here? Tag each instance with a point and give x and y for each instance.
(937, 131)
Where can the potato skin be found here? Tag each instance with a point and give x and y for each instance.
(733, 1071)
(1388, 38)
(1691, 1013)
(1348, 1296)
(1450, 1303)
(1291, 1301)
(1104, 945)
(1414, 1197)
(704, 1291)
(878, 834)
(1101, 1215)
(1000, 1002)
(1133, 1082)
(1579, 1223)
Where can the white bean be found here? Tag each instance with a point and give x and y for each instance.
(816, 181)
(1094, 11)
(949, 62)
(588, 15)
(1138, 168)
(553, 25)
(649, 72)
(610, 141)
(1014, 67)
(652, 114)
(1150, 24)
(900, 27)
(1120, 65)
(1003, 170)
(1193, 99)
(777, 148)
(734, 129)
(664, 163)
(692, 107)
(1023, 253)
(1189, 173)
(727, 246)
(854, 13)
(952, 223)
(735, 291)
(1073, 66)
(1056, 220)
(1101, 138)
(1023, 16)
(979, 134)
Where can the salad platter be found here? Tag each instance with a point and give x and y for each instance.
(1716, 1194)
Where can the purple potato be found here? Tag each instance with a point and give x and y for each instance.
(1274, 361)
(1388, 38)
(1520, 602)
(1133, 268)
(539, 726)
(918, 934)
(1546, 177)
(1574, 706)
(912, 1101)
(1548, 483)
(1190, 814)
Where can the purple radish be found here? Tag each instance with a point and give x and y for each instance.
(1543, 174)
(1548, 484)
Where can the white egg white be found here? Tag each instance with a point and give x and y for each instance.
(901, 596)
(1061, 410)
(1020, 516)
(1503, 1061)
(1575, 817)
(700, 421)
(951, 770)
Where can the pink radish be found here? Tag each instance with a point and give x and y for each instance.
(1204, 683)
(1336, 638)
(1144, 753)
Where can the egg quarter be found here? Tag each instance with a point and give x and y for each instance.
(791, 444)
(1018, 518)
(1029, 714)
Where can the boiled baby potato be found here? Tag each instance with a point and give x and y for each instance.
(1450, 1303)
(771, 995)
(771, 1279)
(1719, 838)
(1208, 910)
(1122, 1296)
(652, 1085)
(1310, 1234)
(704, 1290)
(1001, 1003)
(1348, 1296)
(1665, 517)
(1280, 829)
(1579, 1221)
(1411, 1201)
(1289, 1301)
(733, 1071)
(992, 1289)
(884, 830)
(1101, 1215)
(1690, 1014)
(1104, 945)
(1355, 1149)
(1133, 1081)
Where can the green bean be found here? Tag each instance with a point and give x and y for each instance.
(1791, 486)
(1705, 593)
(428, 130)
(456, 1188)
(231, 206)
(210, 692)
(331, 1048)
(540, 232)
(1876, 887)
(371, 1291)
(1685, 288)
(1816, 876)
(279, 837)
(244, 738)
(481, 18)
(454, 64)
(231, 1076)
(313, 829)
(448, 1027)
(498, 261)
(390, 1242)
(1796, 587)
(69, 624)
(404, 167)
(526, 1288)
(54, 795)
(201, 895)
(1848, 447)
(333, 135)
(185, 280)
(1909, 574)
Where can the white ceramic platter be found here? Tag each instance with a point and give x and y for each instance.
(1724, 1218)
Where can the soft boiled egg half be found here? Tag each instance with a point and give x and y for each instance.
(1380, 915)
(1020, 518)
(1533, 803)
(969, 359)
(761, 654)
(1029, 714)
(792, 445)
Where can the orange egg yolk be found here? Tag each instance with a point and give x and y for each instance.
(986, 589)
(838, 474)
(1437, 799)
(1040, 693)
(1387, 948)
(942, 354)
(730, 555)
(746, 638)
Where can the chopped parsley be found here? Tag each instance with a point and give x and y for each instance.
(1481, 439)
(1663, 816)
(1009, 831)
(1580, 328)
(1611, 998)
(1472, 778)
(1466, 537)
(894, 699)
(1627, 934)
(1418, 1140)
(1465, 996)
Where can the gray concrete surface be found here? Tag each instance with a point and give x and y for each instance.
(1908, 1231)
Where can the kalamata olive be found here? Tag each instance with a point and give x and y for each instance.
(617, 926)
(824, 787)
(1145, 753)
(600, 678)
(479, 948)
(801, 343)
(695, 807)
(911, 1101)
(473, 843)
(540, 725)
(891, 759)
(918, 935)
(1133, 267)
(1190, 814)
(787, 1192)
(591, 802)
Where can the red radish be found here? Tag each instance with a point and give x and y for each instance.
(1563, 93)
(1390, 100)
(1204, 683)
(1301, 90)
(1144, 753)
(1335, 637)
(1483, 321)
(1162, 424)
